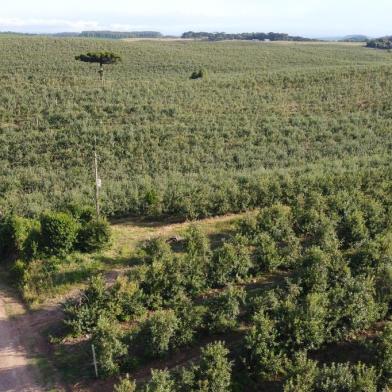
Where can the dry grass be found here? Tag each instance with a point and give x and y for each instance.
(128, 233)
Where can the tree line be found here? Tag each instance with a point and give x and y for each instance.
(243, 36)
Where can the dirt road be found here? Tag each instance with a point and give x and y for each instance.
(16, 375)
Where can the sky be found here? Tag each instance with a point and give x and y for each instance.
(310, 18)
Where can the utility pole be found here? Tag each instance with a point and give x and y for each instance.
(98, 182)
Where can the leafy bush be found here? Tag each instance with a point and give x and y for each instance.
(36, 277)
(301, 374)
(383, 348)
(58, 232)
(82, 314)
(264, 355)
(230, 263)
(94, 235)
(197, 243)
(352, 228)
(127, 299)
(197, 259)
(266, 254)
(314, 270)
(304, 376)
(224, 310)
(302, 321)
(126, 384)
(163, 280)
(384, 287)
(156, 249)
(198, 74)
(354, 305)
(278, 221)
(106, 338)
(161, 381)
(214, 372)
(341, 377)
(185, 378)
(158, 333)
(19, 237)
(190, 320)
(83, 214)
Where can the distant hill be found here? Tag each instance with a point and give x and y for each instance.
(355, 38)
(243, 36)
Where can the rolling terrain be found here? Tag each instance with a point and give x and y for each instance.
(170, 145)
(249, 244)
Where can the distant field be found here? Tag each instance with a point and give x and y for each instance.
(170, 145)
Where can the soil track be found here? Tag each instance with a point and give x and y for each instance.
(16, 374)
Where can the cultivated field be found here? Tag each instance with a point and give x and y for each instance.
(250, 217)
(168, 144)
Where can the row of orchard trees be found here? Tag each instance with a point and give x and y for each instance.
(336, 252)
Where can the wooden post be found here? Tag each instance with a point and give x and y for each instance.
(95, 361)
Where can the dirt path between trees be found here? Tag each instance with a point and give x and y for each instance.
(16, 373)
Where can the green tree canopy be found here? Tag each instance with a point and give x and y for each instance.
(100, 58)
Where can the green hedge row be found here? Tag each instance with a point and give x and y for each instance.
(54, 234)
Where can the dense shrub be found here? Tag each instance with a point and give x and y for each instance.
(384, 288)
(342, 377)
(158, 333)
(164, 280)
(126, 384)
(82, 314)
(58, 232)
(314, 270)
(19, 237)
(198, 74)
(231, 263)
(197, 243)
(106, 338)
(83, 214)
(383, 349)
(156, 249)
(197, 259)
(263, 354)
(126, 299)
(304, 376)
(224, 310)
(352, 228)
(278, 222)
(214, 372)
(301, 374)
(354, 305)
(267, 255)
(185, 378)
(161, 381)
(94, 235)
(302, 321)
(190, 320)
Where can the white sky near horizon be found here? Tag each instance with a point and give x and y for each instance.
(311, 18)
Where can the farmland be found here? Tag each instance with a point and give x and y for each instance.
(171, 145)
(248, 240)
